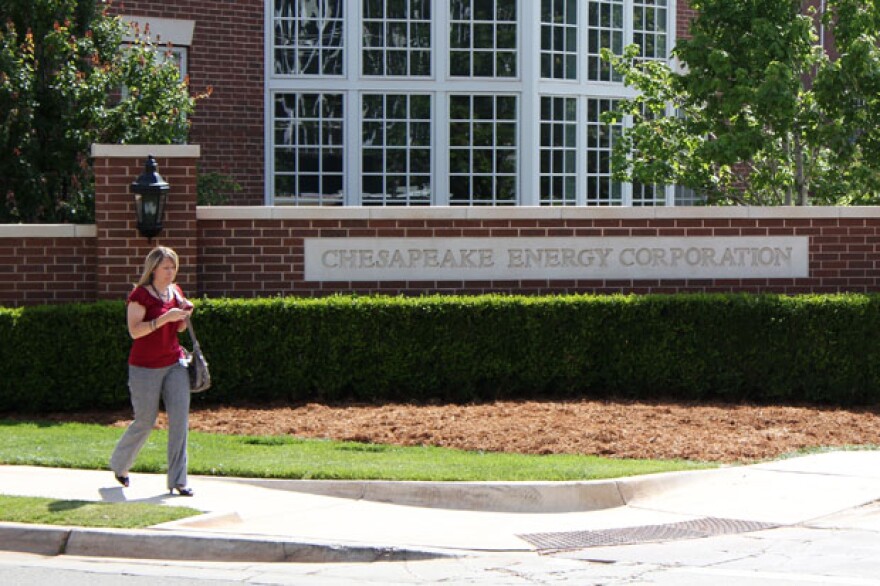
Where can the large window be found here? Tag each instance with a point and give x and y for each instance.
(482, 149)
(308, 131)
(308, 37)
(482, 38)
(453, 102)
(558, 151)
(397, 37)
(396, 149)
(559, 39)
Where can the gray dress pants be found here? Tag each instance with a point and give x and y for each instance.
(147, 386)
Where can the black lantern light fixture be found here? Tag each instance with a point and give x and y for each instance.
(150, 192)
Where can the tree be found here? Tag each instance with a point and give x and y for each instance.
(760, 113)
(69, 80)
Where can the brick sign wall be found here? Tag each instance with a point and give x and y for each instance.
(255, 252)
(267, 251)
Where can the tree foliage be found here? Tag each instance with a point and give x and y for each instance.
(759, 112)
(69, 78)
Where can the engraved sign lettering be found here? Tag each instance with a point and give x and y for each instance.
(443, 259)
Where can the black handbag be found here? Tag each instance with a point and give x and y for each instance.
(196, 363)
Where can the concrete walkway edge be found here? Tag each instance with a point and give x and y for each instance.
(54, 540)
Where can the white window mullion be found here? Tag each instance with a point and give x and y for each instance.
(352, 148)
(354, 40)
(441, 148)
(530, 124)
(626, 188)
(581, 149)
(268, 126)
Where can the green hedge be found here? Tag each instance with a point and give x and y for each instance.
(815, 348)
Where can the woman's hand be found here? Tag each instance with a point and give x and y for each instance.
(179, 316)
(175, 314)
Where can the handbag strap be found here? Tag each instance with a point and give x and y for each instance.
(189, 325)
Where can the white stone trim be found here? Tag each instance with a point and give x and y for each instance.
(167, 151)
(528, 213)
(163, 30)
(460, 213)
(48, 231)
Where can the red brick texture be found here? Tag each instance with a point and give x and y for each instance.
(683, 17)
(119, 249)
(38, 270)
(251, 258)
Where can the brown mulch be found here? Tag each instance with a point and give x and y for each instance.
(621, 429)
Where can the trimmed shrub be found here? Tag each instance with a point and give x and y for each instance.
(760, 348)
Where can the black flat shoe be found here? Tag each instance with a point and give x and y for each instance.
(123, 480)
(181, 490)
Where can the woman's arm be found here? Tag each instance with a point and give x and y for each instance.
(137, 327)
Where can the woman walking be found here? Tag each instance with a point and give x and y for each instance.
(156, 312)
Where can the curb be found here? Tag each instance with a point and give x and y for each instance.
(52, 540)
(503, 497)
(181, 540)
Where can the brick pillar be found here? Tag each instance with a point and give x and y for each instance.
(120, 249)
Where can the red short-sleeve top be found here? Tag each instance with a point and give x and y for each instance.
(161, 347)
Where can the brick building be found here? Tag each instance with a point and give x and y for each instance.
(412, 102)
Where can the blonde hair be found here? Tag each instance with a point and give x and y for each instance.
(154, 259)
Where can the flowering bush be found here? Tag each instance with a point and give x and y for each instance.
(69, 79)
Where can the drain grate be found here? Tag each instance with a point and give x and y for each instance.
(693, 529)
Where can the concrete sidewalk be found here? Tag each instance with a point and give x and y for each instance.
(326, 521)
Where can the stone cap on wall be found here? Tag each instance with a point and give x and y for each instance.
(443, 213)
(528, 213)
(170, 151)
(48, 231)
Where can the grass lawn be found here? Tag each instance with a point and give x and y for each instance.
(88, 446)
(85, 446)
(25, 509)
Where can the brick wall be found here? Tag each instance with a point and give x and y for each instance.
(226, 54)
(47, 264)
(263, 255)
(119, 249)
(683, 17)
(258, 251)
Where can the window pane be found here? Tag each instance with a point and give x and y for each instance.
(558, 151)
(483, 163)
(604, 29)
(305, 33)
(601, 189)
(389, 177)
(309, 142)
(389, 34)
(479, 33)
